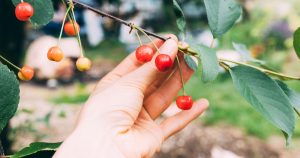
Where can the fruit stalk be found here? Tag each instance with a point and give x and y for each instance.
(63, 24)
(181, 75)
(77, 33)
(138, 36)
(142, 30)
(1, 57)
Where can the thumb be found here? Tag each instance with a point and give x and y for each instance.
(147, 73)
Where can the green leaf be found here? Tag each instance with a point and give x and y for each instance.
(222, 14)
(191, 62)
(36, 147)
(209, 61)
(296, 42)
(181, 23)
(9, 95)
(292, 95)
(264, 94)
(43, 11)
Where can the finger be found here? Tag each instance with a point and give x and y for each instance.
(129, 64)
(177, 122)
(142, 77)
(160, 100)
(162, 77)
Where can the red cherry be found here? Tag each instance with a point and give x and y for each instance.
(24, 11)
(144, 53)
(184, 102)
(163, 62)
(69, 28)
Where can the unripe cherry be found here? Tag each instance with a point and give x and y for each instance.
(83, 64)
(69, 28)
(144, 53)
(24, 11)
(184, 102)
(26, 73)
(55, 54)
(163, 62)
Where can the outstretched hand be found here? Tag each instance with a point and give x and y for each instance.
(118, 120)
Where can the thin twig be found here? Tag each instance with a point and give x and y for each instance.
(115, 18)
(283, 76)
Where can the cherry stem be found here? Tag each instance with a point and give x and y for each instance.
(181, 74)
(63, 24)
(141, 30)
(10, 63)
(138, 36)
(76, 30)
(64, 3)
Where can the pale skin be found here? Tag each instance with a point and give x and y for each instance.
(118, 120)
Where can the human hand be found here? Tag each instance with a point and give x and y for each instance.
(118, 120)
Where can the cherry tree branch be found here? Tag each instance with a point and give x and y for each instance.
(82, 5)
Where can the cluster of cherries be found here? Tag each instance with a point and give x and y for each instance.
(56, 54)
(163, 62)
(24, 11)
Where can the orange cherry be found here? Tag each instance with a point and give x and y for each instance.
(26, 73)
(55, 54)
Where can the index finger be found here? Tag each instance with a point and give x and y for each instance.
(129, 64)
